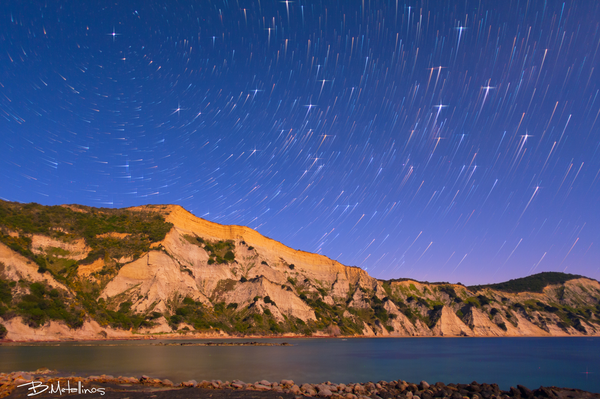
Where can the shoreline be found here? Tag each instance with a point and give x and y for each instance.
(253, 337)
(43, 381)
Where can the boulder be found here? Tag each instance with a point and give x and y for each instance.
(295, 389)
(525, 392)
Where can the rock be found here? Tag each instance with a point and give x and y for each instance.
(205, 384)
(26, 376)
(456, 395)
(306, 387)
(525, 392)
(168, 383)
(401, 386)
(475, 387)
(237, 385)
(190, 383)
(409, 395)
(514, 392)
(287, 382)
(264, 382)
(295, 389)
(359, 389)
(545, 393)
(423, 385)
(487, 394)
(325, 393)
(321, 387)
(262, 387)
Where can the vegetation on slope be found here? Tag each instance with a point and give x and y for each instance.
(92, 224)
(232, 319)
(138, 231)
(219, 252)
(534, 283)
(39, 305)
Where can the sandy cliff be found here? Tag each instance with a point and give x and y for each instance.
(206, 278)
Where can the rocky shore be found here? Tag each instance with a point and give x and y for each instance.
(48, 384)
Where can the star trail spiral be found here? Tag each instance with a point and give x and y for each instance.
(437, 140)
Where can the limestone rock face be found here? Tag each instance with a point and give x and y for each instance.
(311, 265)
(76, 249)
(481, 324)
(287, 302)
(155, 277)
(449, 325)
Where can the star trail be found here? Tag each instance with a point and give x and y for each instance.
(439, 140)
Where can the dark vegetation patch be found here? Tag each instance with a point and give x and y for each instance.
(44, 303)
(534, 283)
(220, 252)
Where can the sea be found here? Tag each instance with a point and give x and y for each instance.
(572, 362)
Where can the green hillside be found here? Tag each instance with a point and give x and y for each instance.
(533, 283)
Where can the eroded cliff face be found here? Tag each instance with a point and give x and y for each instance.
(212, 279)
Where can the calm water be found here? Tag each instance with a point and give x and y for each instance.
(564, 362)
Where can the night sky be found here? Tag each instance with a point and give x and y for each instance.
(439, 140)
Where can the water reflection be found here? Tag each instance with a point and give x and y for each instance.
(566, 362)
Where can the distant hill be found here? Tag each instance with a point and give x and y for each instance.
(78, 272)
(533, 283)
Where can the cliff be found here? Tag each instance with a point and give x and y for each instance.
(81, 272)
